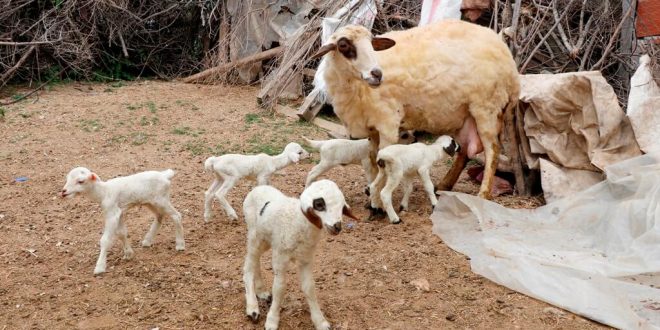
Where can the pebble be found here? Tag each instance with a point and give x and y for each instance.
(421, 284)
(451, 317)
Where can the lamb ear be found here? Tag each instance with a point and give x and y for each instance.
(313, 218)
(347, 212)
(324, 50)
(93, 177)
(382, 43)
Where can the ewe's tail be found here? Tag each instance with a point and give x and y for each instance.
(169, 174)
(316, 144)
(208, 164)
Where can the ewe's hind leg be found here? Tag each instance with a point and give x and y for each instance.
(222, 192)
(307, 283)
(122, 233)
(280, 265)
(489, 126)
(151, 234)
(208, 199)
(317, 170)
(112, 217)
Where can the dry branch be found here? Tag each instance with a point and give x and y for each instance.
(228, 66)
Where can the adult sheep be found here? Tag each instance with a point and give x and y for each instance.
(450, 77)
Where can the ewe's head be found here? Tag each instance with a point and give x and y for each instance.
(323, 205)
(295, 152)
(448, 144)
(355, 47)
(79, 180)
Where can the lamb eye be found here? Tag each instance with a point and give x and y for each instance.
(319, 204)
(81, 181)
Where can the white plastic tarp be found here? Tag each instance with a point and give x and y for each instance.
(644, 106)
(595, 253)
(437, 10)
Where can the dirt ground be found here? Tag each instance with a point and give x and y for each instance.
(49, 245)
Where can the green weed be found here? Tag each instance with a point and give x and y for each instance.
(90, 125)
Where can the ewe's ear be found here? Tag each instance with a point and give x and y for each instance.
(324, 50)
(347, 212)
(382, 43)
(93, 177)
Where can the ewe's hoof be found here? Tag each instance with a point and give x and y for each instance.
(180, 247)
(397, 221)
(146, 244)
(366, 192)
(254, 317)
(99, 271)
(402, 208)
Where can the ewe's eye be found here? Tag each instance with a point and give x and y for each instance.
(299, 152)
(81, 181)
(319, 204)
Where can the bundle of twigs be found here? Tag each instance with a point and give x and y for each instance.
(97, 39)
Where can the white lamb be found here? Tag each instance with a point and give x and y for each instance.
(151, 189)
(344, 152)
(292, 228)
(230, 168)
(403, 162)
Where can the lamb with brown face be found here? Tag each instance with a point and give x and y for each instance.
(448, 78)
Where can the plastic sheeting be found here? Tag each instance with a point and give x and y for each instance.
(595, 253)
(644, 106)
(437, 10)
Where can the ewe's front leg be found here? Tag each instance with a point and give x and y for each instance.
(308, 288)
(451, 177)
(280, 264)
(112, 216)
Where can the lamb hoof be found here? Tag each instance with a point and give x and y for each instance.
(401, 208)
(266, 296)
(397, 221)
(376, 213)
(146, 244)
(128, 254)
(99, 271)
(180, 246)
(254, 317)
